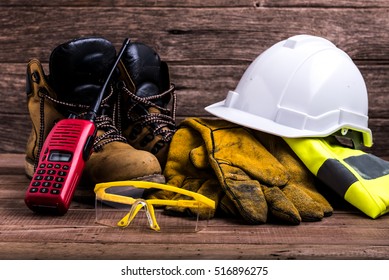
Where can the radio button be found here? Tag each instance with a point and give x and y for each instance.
(55, 191)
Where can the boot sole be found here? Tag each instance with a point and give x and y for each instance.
(28, 168)
(156, 178)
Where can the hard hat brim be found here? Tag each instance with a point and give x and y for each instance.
(265, 125)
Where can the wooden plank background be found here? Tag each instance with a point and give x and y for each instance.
(207, 44)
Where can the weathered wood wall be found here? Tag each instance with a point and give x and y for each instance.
(207, 44)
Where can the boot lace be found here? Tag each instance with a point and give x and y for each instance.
(106, 123)
(163, 123)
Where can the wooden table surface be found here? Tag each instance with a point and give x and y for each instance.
(347, 234)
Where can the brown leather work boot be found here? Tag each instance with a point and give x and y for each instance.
(43, 113)
(78, 70)
(144, 84)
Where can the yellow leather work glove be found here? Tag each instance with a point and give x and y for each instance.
(241, 164)
(186, 168)
(300, 190)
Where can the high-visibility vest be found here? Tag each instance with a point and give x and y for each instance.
(360, 178)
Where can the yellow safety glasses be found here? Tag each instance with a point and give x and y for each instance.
(113, 199)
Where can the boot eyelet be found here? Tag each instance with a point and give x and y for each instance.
(157, 147)
(35, 77)
(135, 131)
(147, 139)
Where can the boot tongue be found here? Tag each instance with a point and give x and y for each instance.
(147, 71)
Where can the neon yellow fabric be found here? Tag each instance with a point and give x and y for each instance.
(361, 178)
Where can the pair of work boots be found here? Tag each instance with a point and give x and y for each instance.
(134, 125)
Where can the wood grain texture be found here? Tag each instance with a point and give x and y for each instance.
(207, 35)
(207, 44)
(114, 251)
(202, 3)
(347, 234)
(24, 235)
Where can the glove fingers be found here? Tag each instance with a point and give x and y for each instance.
(178, 165)
(210, 188)
(199, 157)
(280, 206)
(320, 200)
(192, 185)
(228, 207)
(309, 209)
(246, 194)
(300, 188)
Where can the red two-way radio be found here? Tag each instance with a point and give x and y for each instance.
(62, 158)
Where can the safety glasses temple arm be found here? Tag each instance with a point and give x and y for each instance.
(101, 187)
(182, 203)
(102, 195)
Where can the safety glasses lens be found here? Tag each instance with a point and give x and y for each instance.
(140, 215)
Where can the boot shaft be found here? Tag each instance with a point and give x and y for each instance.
(42, 110)
(146, 92)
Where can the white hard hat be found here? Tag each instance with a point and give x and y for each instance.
(300, 87)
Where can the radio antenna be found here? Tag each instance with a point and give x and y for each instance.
(92, 114)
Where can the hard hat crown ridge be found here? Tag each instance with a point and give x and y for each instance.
(303, 86)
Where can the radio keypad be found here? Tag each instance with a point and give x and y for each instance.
(52, 181)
